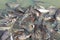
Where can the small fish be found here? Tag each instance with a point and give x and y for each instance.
(24, 37)
(12, 5)
(58, 14)
(20, 10)
(43, 10)
(38, 1)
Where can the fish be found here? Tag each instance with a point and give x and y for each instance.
(24, 37)
(38, 1)
(43, 10)
(12, 5)
(5, 35)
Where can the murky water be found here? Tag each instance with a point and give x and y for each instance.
(26, 3)
(23, 3)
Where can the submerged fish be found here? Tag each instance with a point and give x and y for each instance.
(12, 5)
(43, 10)
(5, 35)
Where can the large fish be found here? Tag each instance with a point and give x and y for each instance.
(5, 35)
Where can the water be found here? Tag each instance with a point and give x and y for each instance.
(26, 3)
(23, 3)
